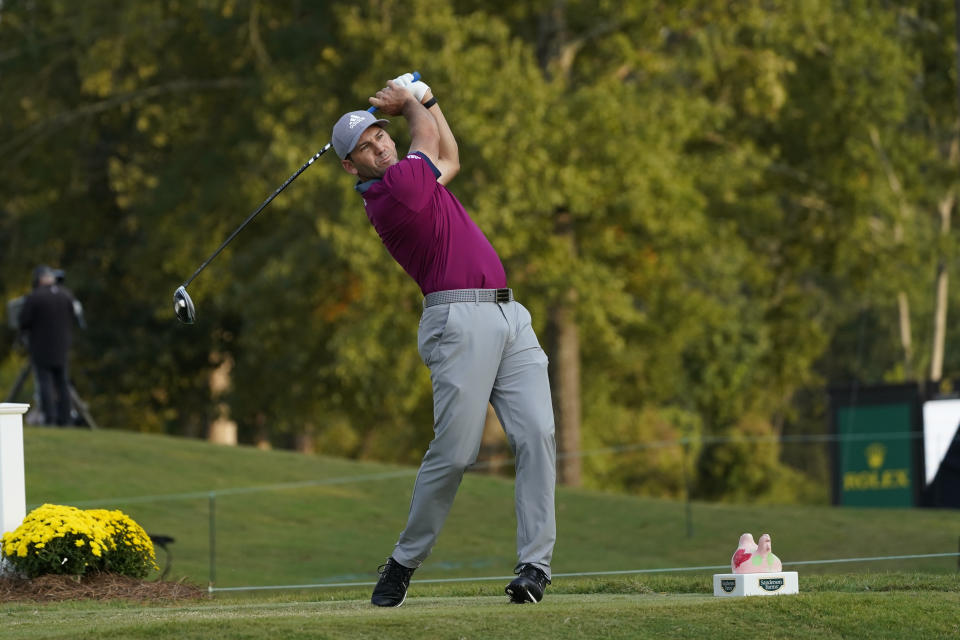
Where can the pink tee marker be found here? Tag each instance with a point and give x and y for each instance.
(755, 571)
(755, 558)
(745, 550)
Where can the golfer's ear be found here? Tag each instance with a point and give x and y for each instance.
(348, 167)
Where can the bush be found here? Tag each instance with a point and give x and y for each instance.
(65, 540)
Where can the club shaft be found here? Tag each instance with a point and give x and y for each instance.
(416, 76)
(258, 210)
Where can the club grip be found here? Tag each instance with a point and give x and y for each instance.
(416, 76)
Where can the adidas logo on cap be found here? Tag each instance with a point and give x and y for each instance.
(348, 129)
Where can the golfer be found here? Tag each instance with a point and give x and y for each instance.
(474, 337)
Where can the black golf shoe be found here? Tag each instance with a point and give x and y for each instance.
(391, 589)
(528, 586)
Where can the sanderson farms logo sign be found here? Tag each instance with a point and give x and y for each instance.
(876, 477)
(771, 584)
(767, 584)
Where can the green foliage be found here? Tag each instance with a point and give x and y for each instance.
(747, 467)
(753, 188)
(659, 466)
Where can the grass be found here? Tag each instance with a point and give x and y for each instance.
(619, 608)
(339, 532)
(272, 527)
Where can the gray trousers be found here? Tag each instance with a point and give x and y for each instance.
(480, 353)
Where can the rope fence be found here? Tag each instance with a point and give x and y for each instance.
(580, 574)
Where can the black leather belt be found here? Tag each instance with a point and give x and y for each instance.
(467, 295)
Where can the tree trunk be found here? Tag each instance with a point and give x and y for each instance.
(262, 432)
(555, 54)
(905, 217)
(565, 378)
(940, 311)
(939, 324)
(222, 430)
(906, 341)
(305, 439)
(565, 368)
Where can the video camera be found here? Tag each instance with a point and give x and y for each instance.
(59, 275)
(14, 307)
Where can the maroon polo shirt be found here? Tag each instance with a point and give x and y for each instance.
(427, 230)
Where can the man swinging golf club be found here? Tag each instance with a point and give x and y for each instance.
(474, 337)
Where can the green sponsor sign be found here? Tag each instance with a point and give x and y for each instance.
(874, 455)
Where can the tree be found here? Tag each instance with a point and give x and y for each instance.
(711, 209)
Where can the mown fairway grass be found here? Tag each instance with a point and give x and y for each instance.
(898, 606)
(271, 531)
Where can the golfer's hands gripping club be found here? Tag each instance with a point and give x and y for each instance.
(391, 98)
(417, 87)
(413, 77)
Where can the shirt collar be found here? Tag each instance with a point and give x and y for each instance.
(363, 186)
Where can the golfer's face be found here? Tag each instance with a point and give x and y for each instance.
(374, 154)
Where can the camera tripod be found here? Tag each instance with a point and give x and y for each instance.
(77, 405)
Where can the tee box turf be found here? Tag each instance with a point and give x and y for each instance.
(729, 585)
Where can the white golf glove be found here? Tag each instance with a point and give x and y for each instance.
(418, 88)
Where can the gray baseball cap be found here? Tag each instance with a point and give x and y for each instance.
(349, 128)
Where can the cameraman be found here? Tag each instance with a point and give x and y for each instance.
(46, 319)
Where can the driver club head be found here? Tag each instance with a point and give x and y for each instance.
(183, 306)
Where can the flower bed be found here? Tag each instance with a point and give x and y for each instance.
(57, 539)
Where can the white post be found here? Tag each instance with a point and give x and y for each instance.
(13, 502)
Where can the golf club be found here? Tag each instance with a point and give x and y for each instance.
(182, 304)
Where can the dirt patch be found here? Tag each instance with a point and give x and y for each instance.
(103, 586)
